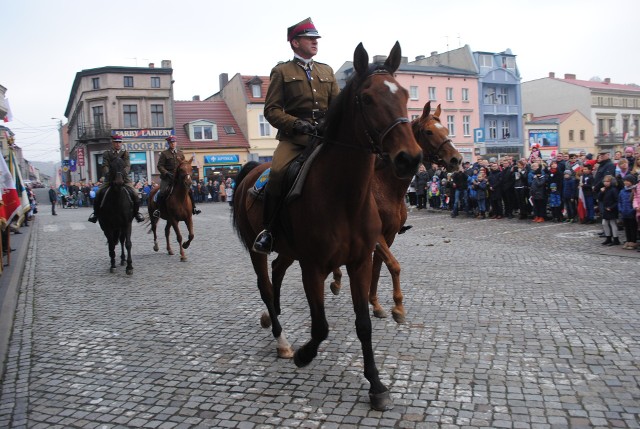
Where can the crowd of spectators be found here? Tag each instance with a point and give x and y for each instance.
(570, 187)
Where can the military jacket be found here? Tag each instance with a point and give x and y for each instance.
(169, 161)
(292, 95)
(109, 156)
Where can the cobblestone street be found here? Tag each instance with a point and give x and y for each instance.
(510, 324)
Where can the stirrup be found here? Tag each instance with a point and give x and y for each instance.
(196, 211)
(263, 243)
(156, 213)
(139, 217)
(93, 218)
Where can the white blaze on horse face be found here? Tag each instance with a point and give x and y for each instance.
(392, 86)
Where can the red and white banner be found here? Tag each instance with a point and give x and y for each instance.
(11, 205)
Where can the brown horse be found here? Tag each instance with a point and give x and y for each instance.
(389, 192)
(368, 117)
(176, 208)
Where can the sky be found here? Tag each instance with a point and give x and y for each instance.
(46, 42)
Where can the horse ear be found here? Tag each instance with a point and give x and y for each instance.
(426, 110)
(395, 56)
(360, 59)
(437, 113)
(192, 158)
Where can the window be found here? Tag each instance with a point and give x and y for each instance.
(95, 82)
(414, 117)
(157, 115)
(465, 94)
(432, 93)
(582, 134)
(202, 132)
(98, 116)
(451, 125)
(256, 90)
(505, 130)
(466, 125)
(413, 92)
(265, 127)
(503, 96)
(155, 82)
(509, 63)
(486, 60)
(128, 81)
(570, 135)
(449, 94)
(493, 129)
(229, 129)
(130, 115)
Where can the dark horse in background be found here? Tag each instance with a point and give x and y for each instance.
(176, 208)
(368, 118)
(116, 215)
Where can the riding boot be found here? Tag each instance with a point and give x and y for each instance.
(136, 211)
(159, 201)
(264, 241)
(96, 208)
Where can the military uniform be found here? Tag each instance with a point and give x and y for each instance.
(293, 95)
(167, 164)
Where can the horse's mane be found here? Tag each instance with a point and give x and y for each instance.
(335, 113)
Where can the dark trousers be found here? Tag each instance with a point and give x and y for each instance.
(53, 207)
(570, 205)
(631, 229)
(422, 201)
(540, 208)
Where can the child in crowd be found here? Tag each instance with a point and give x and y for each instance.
(444, 201)
(627, 212)
(481, 193)
(609, 197)
(570, 195)
(434, 193)
(555, 202)
(586, 183)
(537, 192)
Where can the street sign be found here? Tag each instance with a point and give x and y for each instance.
(478, 135)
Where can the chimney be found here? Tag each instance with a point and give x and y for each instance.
(195, 98)
(223, 80)
(552, 75)
(152, 66)
(434, 53)
(607, 80)
(165, 64)
(420, 57)
(569, 76)
(379, 59)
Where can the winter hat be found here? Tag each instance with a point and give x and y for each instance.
(553, 186)
(567, 172)
(630, 178)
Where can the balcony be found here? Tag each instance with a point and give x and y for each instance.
(610, 139)
(89, 132)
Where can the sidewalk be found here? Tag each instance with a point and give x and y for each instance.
(10, 286)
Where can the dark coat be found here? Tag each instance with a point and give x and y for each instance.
(538, 185)
(570, 188)
(53, 196)
(609, 199)
(109, 156)
(605, 168)
(495, 184)
(587, 184)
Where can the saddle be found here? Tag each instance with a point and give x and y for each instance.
(106, 192)
(294, 177)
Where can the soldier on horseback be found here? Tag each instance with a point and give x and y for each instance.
(298, 97)
(169, 160)
(107, 158)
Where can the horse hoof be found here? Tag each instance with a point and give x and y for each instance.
(170, 252)
(156, 247)
(381, 401)
(335, 288)
(398, 317)
(265, 320)
(112, 270)
(185, 245)
(129, 271)
(183, 258)
(299, 360)
(380, 313)
(285, 353)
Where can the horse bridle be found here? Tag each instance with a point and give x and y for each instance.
(376, 144)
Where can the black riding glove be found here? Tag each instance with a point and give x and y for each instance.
(320, 126)
(170, 176)
(303, 127)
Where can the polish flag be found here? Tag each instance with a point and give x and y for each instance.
(582, 208)
(10, 205)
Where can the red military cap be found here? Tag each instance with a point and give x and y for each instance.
(116, 138)
(171, 139)
(303, 28)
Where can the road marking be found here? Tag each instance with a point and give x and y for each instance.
(51, 228)
(77, 226)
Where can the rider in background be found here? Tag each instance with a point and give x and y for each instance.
(298, 97)
(107, 158)
(167, 164)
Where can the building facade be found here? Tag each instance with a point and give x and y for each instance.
(563, 133)
(613, 109)
(245, 98)
(136, 102)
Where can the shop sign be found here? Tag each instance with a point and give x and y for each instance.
(145, 146)
(137, 157)
(145, 133)
(80, 156)
(221, 159)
